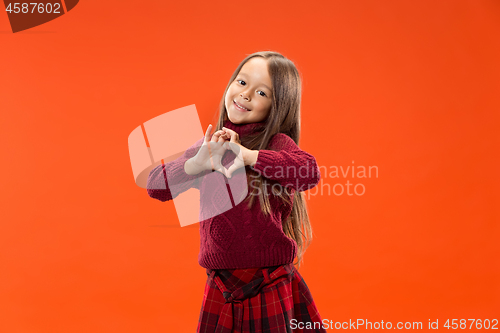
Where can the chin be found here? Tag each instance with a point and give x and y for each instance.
(234, 120)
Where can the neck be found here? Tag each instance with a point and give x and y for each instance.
(244, 129)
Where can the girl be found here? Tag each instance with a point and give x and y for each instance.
(249, 249)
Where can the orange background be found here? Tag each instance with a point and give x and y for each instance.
(408, 86)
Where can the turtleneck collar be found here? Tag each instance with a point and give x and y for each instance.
(244, 129)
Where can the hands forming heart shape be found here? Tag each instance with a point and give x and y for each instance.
(209, 156)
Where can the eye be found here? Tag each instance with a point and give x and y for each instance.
(263, 93)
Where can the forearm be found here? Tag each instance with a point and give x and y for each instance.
(296, 169)
(157, 187)
(252, 157)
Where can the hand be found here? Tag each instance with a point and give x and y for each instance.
(242, 153)
(210, 154)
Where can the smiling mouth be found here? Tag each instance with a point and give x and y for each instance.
(239, 107)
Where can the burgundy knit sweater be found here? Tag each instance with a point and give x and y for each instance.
(242, 238)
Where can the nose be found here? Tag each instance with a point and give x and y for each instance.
(244, 96)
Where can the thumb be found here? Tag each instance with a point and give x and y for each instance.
(232, 168)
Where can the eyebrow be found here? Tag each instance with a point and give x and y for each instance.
(243, 74)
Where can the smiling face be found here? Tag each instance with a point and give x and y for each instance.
(252, 90)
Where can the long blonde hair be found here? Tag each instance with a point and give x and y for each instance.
(284, 117)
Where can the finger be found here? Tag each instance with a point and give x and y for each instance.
(216, 136)
(234, 137)
(224, 137)
(207, 133)
(222, 170)
(210, 148)
(217, 166)
(232, 168)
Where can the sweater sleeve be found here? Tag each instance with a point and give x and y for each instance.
(167, 181)
(288, 164)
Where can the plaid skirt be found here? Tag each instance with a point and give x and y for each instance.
(270, 299)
